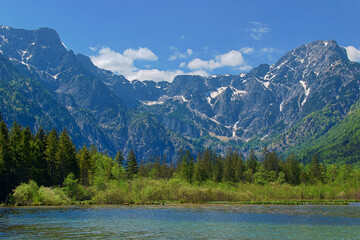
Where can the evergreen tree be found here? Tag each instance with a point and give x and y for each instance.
(239, 166)
(66, 157)
(271, 162)
(252, 162)
(218, 169)
(52, 145)
(229, 167)
(292, 169)
(16, 165)
(26, 155)
(314, 170)
(84, 162)
(187, 166)
(38, 169)
(132, 166)
(119, 158)
(5, 162)
(207, 162)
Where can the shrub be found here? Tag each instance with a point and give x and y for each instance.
(26, 194)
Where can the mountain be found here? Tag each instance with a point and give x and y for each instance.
(283, 106)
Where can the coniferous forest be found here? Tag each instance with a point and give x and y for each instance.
(45, 168)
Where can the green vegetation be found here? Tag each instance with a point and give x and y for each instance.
(46, 169)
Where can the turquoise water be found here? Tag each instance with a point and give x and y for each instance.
(182, 222)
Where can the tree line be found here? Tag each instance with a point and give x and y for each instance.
(51, 159)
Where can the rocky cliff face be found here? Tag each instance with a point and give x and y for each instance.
(158, 118)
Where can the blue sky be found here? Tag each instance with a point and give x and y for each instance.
(159, 39)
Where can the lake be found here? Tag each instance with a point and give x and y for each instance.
(182, 222)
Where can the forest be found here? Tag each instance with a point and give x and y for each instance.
(45, 168)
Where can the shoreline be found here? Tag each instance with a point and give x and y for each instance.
(219, 203)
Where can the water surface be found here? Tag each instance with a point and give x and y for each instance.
(182, 222)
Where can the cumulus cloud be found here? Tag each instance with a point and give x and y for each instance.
(258, 30)
(155, 75)
(140, 53)
(159, 75)
(353, 53)
(180, 55)
(229, 59)
(122, 63)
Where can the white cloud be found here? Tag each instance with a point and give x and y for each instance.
(353, 53)
(113, 61)
(158, 75)
(247, 50)
(179, 55)
(155, 75)
(229, 59)
(122, 63)
(182, 37)
(182, 64)
(198, 72)
(93, 49)
(140, 53)
(258, 30)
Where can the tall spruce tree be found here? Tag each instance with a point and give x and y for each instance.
(187, 166)
(52, 145)
(85, 166)
(66, 157)
(38, 168)
(5, 162)
(314, 170)
(132, 166)
(119, 158)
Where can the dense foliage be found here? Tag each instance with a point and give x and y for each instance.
(46, 168)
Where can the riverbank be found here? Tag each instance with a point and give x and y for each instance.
(143, 191)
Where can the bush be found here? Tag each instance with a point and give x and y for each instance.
(50, 196)
(26, 194)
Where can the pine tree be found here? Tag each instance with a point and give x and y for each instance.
(239, 166)
(292, 169)
(252, 162)
(132, 166)
(66, 157)
(229, 167)
(38, 169)
(218, 169)
(26, 154)
(52, 145)
(84, 162)
(314, 170)
(187, 166)
(119, 158)
(16, 166)
(5, 162)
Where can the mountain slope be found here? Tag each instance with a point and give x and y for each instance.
(27, 102)
(286, 105)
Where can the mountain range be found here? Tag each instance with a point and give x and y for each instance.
(308, 97)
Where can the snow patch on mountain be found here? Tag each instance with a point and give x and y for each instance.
(216, 93)
(4, 39)
(306, 90)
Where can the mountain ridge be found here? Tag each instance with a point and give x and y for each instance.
(197, 111)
